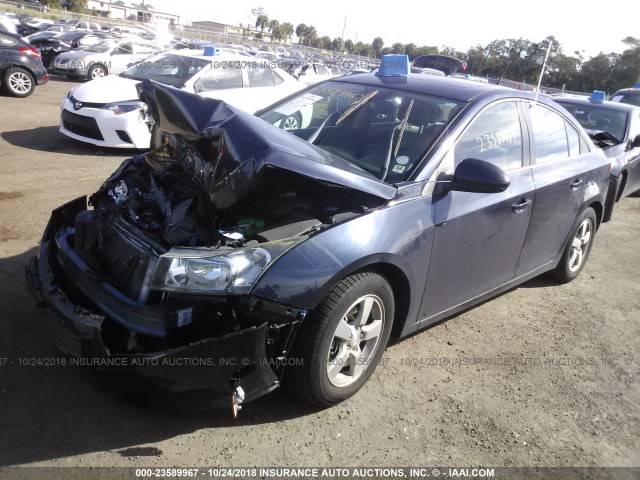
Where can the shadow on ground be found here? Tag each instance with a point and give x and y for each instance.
(52, 141)
(51, 411)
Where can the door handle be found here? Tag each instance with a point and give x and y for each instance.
(520, 206)
(576, 183)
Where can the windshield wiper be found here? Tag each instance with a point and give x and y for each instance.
(393, 149)
(348, 112)
(355, 107)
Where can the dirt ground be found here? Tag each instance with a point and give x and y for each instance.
(544, 375)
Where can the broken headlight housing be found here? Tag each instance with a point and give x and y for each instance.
(212, 272)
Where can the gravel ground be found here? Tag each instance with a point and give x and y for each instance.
(544, 375)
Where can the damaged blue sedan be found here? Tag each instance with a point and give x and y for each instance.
(286, 248)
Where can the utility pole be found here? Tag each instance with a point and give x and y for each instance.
(342, 39)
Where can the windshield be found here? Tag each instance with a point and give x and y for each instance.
(383, 131)
(599, 119)
(169, 69)
(69, 36)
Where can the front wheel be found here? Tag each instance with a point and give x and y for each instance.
(292, 122)
(341, 342)
(577, 250)
(97, 71)
(18, 82)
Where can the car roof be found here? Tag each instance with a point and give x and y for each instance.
(605, 104)
(448, 87)
(199, 53)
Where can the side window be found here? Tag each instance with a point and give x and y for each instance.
(550, 136)
(278, 79)
(221, 79)
(495, 136)
(124, 49)
(573, 138)
(260, 77)
(634, 127)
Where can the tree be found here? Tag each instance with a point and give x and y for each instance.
(348, 46)
(377, 45)
(301, 32)
(631, 41)
(258, 11)
(76, 5)
(397, 48)
(310, 36)
(287, 30)
(119, 3)
(262, 22)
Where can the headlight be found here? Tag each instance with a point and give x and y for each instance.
(207, 271)
(124, 107)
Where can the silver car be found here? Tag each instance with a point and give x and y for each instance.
(103, 58)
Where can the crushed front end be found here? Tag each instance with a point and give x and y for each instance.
(153, 284)
(160, 348)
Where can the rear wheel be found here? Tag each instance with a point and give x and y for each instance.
(577, 249)
(18, 82)
(340, 344)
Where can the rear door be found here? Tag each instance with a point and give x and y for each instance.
(560, 169)
(478, 236)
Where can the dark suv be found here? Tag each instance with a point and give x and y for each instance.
(20, 66)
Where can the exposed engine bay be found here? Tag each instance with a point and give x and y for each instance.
(171, 198)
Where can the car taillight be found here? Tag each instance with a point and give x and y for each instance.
(31, 51)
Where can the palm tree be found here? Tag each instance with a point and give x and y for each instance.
(287, 30)
(310, 35)
(301, 32)
(262, 22)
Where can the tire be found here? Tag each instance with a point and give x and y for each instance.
(292, 122)
(331, 364)
(18, 82)
(97, 71)
(578, 247)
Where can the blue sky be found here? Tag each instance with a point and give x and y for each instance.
(460, 24)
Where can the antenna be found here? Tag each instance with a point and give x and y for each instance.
(544, 64)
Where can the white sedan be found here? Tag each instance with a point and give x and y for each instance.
(107, 112)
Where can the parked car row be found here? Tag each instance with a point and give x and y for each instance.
(394, 201)
(107, 112)
(615, 128)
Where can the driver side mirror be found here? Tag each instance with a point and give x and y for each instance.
(198, 87)
(636, 141)
(479, 176)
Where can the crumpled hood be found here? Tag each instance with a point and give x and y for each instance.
(109, 89)
(251, 144)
